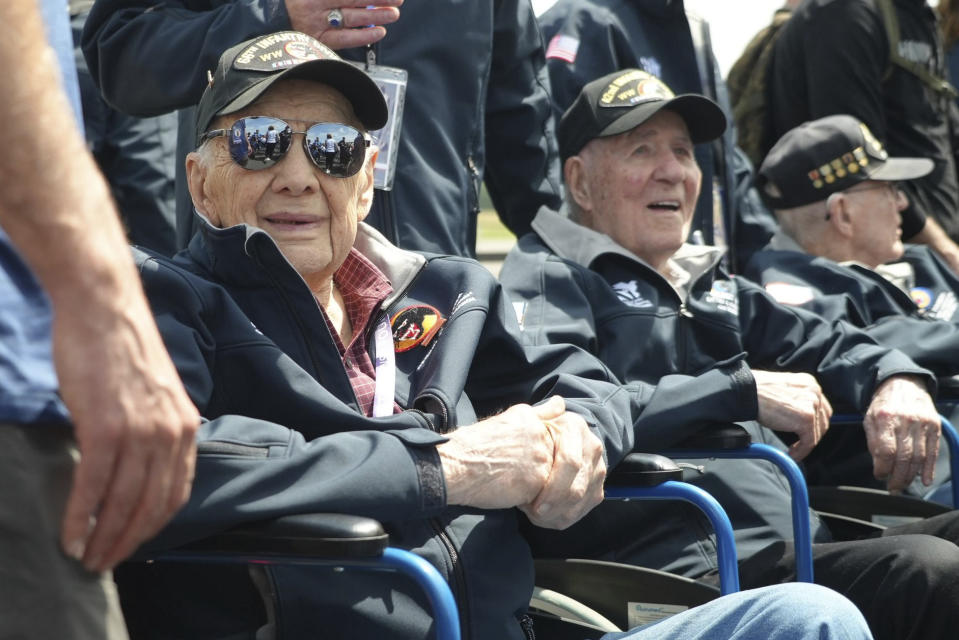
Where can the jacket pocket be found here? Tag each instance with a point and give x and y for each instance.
(221, 448)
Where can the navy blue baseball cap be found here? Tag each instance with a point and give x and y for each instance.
(245, 71)
(625, 99)
(828, 155)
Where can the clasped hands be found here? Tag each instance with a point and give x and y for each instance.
(543, 460)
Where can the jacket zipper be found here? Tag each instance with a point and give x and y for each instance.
(474, 180)
(685, 315)
(526, 623)
(457, 578)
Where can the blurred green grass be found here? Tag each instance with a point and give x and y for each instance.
(489, 229)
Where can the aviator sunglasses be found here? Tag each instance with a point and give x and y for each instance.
(259, 142)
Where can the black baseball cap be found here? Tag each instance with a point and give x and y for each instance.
(248, 69)
(824, 156)
(625, 99)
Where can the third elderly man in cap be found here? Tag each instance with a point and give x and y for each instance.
(839, 252)
(614, 276)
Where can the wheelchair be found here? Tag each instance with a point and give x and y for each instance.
(353, 543)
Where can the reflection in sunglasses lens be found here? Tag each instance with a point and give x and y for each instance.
(336, 148)
(259, 142)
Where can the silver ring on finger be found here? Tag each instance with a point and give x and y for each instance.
(335, 18)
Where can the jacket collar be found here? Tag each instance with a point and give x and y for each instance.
(231, 253)
(900, 274)
(582, 245)
(782, 241)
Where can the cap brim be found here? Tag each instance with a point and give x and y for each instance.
(703, 117)
(895, 169)
(362, 92)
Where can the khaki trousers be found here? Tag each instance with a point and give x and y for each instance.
(43, 593)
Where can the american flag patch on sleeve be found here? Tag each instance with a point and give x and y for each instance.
(563, 47)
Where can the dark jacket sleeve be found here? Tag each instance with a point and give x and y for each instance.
(522, 170)
(601, 44)
(930, 343)
(252, 469)
(152, 57)
(845, 360)
(553, 296)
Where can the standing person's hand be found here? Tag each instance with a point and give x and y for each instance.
(135, 427)
(362, 22)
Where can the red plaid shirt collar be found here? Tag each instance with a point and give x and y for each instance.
(363, 288)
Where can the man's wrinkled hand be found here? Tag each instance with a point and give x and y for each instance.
(795, 403)
(575, 483)
(902, 432)
(361, 25)
(135, 427)
(541, 459)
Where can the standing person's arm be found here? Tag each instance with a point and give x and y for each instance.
(134, 424)
(522, 169)
(123, 40)
(935, 237)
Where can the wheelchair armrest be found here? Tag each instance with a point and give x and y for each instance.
(716, 436)
(317, 535)
(643, 470)
(948, 388)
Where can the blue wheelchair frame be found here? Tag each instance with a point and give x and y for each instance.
(343, 541)
(738, 446)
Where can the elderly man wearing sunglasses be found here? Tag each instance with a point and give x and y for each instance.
(339, 373)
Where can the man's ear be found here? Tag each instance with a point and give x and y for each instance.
(577, 184)
(838, 214)
(365, 187)
(196, 183)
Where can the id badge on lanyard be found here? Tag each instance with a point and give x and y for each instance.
(392, 82)
(385, 367)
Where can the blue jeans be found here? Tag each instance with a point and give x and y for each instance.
(792, 611)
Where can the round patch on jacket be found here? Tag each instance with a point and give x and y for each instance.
(921, 296)
(415, 325)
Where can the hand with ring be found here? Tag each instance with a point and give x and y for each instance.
(341, 24)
